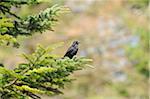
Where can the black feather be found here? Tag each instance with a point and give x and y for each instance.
(72, 50)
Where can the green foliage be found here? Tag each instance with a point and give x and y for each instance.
(139, 55)
(138, 3)
(10, 3)
(26, 26)
(7, 39)
(6, 23)
(43, 73)
(36, 23)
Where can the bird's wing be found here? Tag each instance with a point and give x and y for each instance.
(70, 50)
(74, 52)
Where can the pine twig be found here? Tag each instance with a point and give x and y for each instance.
(34, 96)
(6, 9)
(15, 80)
(55, 90)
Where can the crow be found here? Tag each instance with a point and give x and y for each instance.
(72, 50)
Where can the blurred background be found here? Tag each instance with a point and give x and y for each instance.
(114, 33)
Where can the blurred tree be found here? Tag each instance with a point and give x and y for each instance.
(139, 54)
(43, 73)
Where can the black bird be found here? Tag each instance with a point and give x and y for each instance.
(72, 50)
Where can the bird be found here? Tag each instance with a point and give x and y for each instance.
(72, 50)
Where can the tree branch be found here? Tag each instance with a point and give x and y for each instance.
(17, 2)
(15, 80)
(6, 9)
(34, 96)
(55, 90)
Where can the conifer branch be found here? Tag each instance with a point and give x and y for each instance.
(6, 9)
(43, 73)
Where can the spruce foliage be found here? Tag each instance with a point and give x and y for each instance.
(43, 72)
